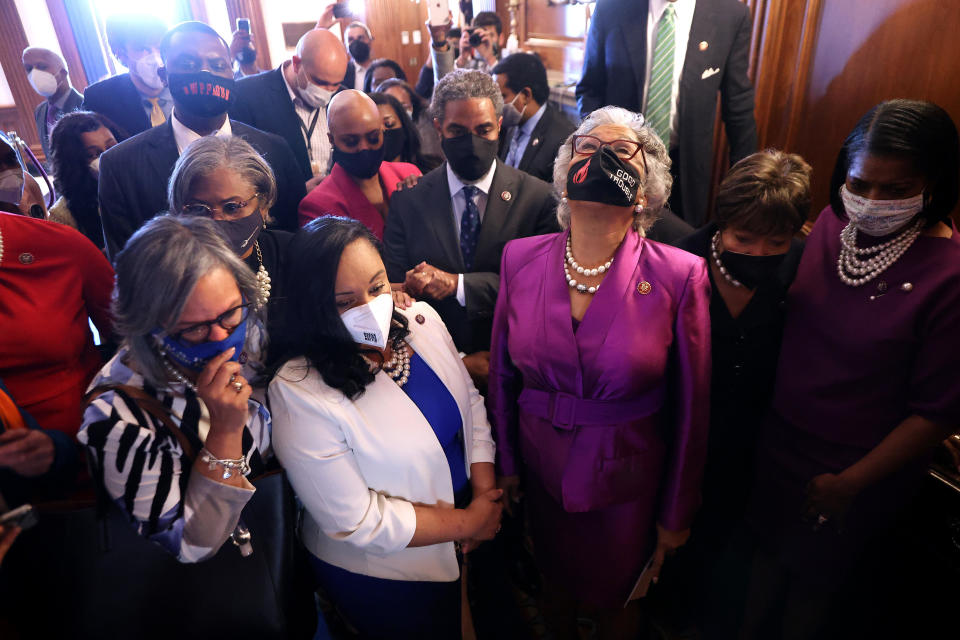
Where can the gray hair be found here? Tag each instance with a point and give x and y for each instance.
(209, 153)
(357, 23)
(463, 84)
(656, 184)
(156, 273)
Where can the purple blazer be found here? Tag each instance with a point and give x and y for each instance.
(618, 411)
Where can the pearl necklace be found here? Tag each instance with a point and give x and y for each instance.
(854, 270)
(176, 375)
(714, 244)
(399, 366)
(263, 277)
(1, 247)
(571, 282)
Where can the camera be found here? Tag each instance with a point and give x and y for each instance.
(476, 37)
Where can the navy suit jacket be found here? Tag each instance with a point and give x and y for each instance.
(117, 98)
(541, 152)
(614, 72)
(134, 176)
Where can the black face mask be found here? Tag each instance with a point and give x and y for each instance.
(201, 93)
(241, 233)
(393, 140)
(360, 164)
(359, 51)
(603, 177)
(247, 55)
(469, 155)
(752, 271)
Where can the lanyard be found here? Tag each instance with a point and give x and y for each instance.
(309, 132)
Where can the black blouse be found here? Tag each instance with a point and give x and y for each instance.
(273, 245)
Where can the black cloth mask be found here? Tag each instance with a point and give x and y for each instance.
(359, 51)
(202, 93)
(393, 141)
(241, 233)
(752, 271)
(247, 55)
(360, 164)
(469, 155)
(603, 177)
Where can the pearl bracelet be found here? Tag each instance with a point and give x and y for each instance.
(230, 465)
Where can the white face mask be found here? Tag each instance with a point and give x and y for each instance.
(43, 82)
(316, 97)
(370, 323)
(95, 167)
(146, 69)
(11, 185)
(879, 217)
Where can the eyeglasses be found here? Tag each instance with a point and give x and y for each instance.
(625, 149)
(228, 209)
(229, 320)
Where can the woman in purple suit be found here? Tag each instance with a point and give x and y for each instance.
(600, 376)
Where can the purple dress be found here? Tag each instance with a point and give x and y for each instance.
(855, 362)
(609, 425)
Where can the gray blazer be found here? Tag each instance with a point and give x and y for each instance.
(72, 103)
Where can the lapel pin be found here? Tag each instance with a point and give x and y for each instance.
(419, 318)
(907, 286)
(505, 196)
(26, 258)
(703, 45)
(535, 142)
(644, 287)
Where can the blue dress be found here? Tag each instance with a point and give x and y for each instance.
(408, 609)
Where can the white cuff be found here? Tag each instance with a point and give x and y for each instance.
(461, 296)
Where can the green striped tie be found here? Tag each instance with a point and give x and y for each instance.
(660, 91)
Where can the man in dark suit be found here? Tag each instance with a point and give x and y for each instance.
(134, 174)
(291, 101)
(137, 100)
(532, 144)
(705, 49)
(47, 74)
(444, 236)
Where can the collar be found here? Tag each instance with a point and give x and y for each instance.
(163, 97)
(294, 97)
(184, 136)
(527, 127)
(483, 184)
(684, 8)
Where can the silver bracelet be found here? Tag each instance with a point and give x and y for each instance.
(230, 465)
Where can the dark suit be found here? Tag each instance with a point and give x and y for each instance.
(263, 102)
(72, 103)
(614, 72)
(134, 176)
(421, 228)
(117, 98)
(551, 131)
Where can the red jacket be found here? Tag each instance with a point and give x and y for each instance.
(339, 195)
(52, 279)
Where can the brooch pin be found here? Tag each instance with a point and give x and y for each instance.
(644, 287)
(419, 318)
(26, 258)
(505, 196)
(703, 45)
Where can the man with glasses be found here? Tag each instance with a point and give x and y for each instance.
(291, 101)
(134, 174)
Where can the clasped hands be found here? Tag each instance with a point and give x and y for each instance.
(426, 281)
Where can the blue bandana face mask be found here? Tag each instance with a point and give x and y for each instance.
(196, 357)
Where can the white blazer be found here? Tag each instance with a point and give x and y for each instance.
(359, 465)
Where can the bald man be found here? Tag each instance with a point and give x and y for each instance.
(47, 74)
(291, 101)
(360, 183)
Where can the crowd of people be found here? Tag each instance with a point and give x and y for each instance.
(392, 293)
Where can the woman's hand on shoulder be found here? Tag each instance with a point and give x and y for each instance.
(225, 393)
(401, 299)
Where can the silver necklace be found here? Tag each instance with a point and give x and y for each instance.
(571, 281)
(176, 375)
(859, 265)
(263, 277)
(714, 245)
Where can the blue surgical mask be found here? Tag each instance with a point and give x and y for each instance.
(195, 357)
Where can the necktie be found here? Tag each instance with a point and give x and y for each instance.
(660, 91)
(52, 113)
(513, 156)
(156, 114)
(469, 227)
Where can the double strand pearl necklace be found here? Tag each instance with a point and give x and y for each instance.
(398, 368)
(714, 245)
(855, 270)
(176, 375)
(263, 277)
(571, 282)
(1, 247)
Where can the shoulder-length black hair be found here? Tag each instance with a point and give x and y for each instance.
(71, 170)
(916, 130)
(309, 324)
(376, 64)
(418, 103)
(411, 151)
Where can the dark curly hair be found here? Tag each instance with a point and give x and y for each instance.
(411, 146)
(72, 177)
(376, 64)
(309, 324)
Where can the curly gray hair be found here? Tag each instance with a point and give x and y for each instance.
(209, 153)
(156, 273)
(656, 184)
(464, 84)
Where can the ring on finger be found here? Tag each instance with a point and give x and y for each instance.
(237, 385)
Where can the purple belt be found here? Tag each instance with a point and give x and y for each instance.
(565, 411)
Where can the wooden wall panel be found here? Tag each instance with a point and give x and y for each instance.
(253, 10)
(387, 20)
(68, 44)
(13, 40)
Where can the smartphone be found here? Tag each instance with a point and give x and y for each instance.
(342, 10)
(438, 11)
(23, 516)
(243, 24)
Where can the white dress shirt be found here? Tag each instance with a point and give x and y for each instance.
(361, 75)
(184, 136)
(684, 10)
(459, 201)
(521, 137)
(319, 149)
